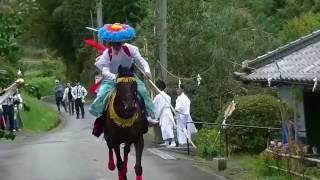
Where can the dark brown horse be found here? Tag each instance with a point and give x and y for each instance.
(123, 123)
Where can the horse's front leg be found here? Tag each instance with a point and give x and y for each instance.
(125, 159)
(119, 161)
(139, 144)
(111, 164)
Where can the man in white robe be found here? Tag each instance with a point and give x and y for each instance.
(183, 116)
(164, 114)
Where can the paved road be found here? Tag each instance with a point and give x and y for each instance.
(71, 153)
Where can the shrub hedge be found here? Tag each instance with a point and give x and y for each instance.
(204, 140)
(254, 110)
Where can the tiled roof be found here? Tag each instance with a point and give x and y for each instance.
(296, 61)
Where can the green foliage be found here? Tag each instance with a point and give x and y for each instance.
(254, 110)
(213, 37)
(41, 116)
(9, 30)
(199, 43)
(204, 141)
(207, 37)
(85, 59)
(126, 11)
(63, 29)
(313, 171)
(7, 74)
(32, 90)
(300, 26)
(40, 69)
(7, 136)
(40, 85)
(273, 15)
(262, 170)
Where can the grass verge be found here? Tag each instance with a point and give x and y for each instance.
(243, 167)
(41, 116)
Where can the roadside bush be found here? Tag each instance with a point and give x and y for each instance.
(32, 90)
(204, 141)
(40, 86)
(254, 110)
(7, 136)
(6, 74)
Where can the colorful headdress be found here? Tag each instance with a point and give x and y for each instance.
(116, 32)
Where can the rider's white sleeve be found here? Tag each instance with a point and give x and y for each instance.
(141, 62)
(103, 64)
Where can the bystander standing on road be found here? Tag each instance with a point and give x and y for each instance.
(79, 92)
(58, 92)
(69, 98)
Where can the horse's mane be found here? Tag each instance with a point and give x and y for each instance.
(125, 72)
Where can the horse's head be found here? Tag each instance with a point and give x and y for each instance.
(126, 87)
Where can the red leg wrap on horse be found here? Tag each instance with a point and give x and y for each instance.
(111, 165)
(139, 177)
(120, 176)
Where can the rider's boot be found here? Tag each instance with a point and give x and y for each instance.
(98, 127)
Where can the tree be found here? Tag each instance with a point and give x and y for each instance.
(300, 26)
(63, 28)
(210, 39)
(9, 31)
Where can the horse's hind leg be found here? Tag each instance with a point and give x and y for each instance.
(119, 161)
(139, 149)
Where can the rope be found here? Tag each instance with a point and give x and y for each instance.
(175, 76)
(204, 71)
(235, 63)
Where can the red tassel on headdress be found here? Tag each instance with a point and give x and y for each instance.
(100, 47)
(94, 88)
(95, 45)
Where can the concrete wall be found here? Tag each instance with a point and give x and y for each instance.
(285, 96)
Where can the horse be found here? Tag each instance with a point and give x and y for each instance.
(123, 123)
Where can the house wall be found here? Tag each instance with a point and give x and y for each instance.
(285, 96)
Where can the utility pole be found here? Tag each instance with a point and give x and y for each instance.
(98, 77)
(99, 15)
(161, 33)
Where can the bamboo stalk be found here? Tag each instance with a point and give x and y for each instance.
(294, 156)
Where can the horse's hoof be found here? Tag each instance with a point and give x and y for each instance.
(139, 178)
(111, 166)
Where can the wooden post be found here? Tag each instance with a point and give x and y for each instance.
(161, 33)
(92, 25)
(99, 15)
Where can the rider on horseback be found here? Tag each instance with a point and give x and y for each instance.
(118, 54)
